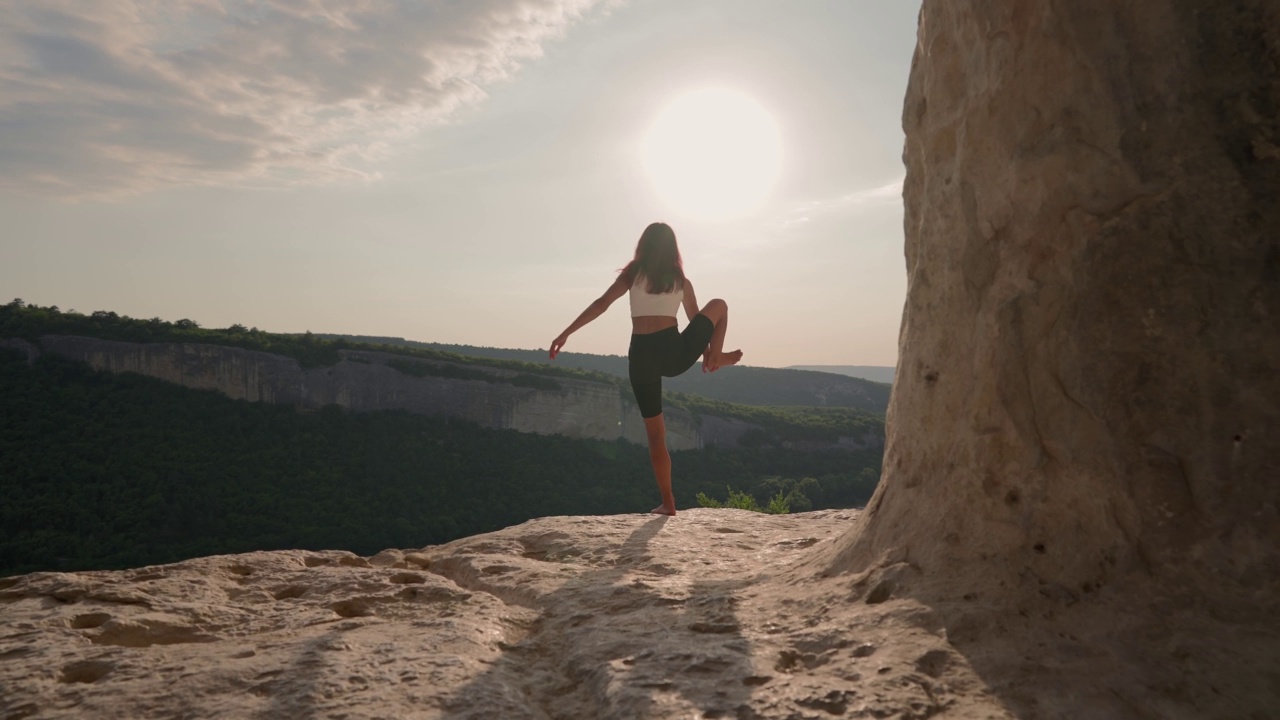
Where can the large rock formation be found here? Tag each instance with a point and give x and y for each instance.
(1090, 355)
(1088, 391)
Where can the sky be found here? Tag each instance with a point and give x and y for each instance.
(460, 172)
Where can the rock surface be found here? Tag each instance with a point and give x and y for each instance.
(626, 617)
(1091, 336)
(1083, 427)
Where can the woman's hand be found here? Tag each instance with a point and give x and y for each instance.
(558, 343)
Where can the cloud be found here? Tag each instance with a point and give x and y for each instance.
(119, 96)
(888, 194)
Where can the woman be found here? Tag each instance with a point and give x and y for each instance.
(656, 283)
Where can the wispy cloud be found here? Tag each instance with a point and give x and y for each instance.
(887, 194)
(117, 96)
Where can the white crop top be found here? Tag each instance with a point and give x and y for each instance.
(644, 302)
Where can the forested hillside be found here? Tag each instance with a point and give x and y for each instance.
(739, 385)
(742, 384)
(787, 421)
(875, 373)
(20, 320)
(111, 471)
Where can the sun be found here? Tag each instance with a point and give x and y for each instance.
(713, 154)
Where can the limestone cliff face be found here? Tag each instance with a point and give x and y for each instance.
(364, 381)
(1089, 373)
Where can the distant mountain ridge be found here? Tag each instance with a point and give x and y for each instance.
(747, 385)
(310, 371)
(874, 373)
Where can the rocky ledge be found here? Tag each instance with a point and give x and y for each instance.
(629, 616)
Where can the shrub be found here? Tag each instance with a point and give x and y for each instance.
(778, 505)
(743, 501)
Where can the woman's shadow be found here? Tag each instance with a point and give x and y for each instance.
(629, 638)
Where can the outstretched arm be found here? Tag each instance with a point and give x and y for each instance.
(690, 301)
(593, 311)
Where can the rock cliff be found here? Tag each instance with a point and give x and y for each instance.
(366, 381)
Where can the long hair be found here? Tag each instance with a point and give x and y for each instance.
(657, 260)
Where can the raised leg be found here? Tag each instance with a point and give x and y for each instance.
(714, 358)
(656, 428)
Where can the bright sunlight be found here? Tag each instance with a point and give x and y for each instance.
(713, 154)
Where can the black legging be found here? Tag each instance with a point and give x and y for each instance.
(666, 353)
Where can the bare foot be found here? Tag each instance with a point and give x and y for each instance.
(663, 510)
(712, 363)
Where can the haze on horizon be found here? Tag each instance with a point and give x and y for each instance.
(468, 173)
